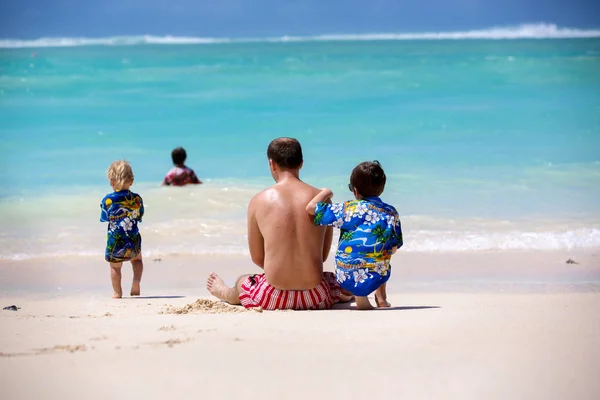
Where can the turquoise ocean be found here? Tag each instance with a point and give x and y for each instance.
(489, 141)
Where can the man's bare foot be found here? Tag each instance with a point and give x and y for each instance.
(217, 287)
(363, 303)
(382, 303)
(117, 295)
(135, 289)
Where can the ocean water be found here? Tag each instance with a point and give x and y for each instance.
(487, 144)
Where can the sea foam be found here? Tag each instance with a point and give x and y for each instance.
(524, 31)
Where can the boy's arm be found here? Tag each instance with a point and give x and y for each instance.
(195, 179)
(103, 211)
(141, 210)
(324, 195)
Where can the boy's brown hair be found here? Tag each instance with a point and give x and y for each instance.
(178, 156)
(368, 178)
(120, 174)
(285, 152)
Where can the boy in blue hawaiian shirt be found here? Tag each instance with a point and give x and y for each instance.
(370, 233)
(123, 209)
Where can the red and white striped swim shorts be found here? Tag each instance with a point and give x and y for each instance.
(257, 292)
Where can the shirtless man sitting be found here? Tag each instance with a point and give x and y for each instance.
(284, 242)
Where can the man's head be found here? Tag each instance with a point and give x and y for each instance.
(120, 175)
(179, 155)
(284, 154)
(367, 179)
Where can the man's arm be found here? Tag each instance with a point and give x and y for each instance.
(256, 242)
(327, 242)
(324, 195)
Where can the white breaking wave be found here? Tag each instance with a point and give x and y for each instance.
(524, 31)
(417, 241)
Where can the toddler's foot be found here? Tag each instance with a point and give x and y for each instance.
(382, 303)
(117, 295)
(135, 289)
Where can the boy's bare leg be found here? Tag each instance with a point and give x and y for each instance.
(363, 303)
(346, 296)
(217, 288)
(115, 277)
(381, 297)
(138, 268)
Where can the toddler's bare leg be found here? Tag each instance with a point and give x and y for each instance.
(381, 297)
(138, 268)
(115, 277)
(363, 303)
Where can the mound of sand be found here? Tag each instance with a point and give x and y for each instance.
(207, 307)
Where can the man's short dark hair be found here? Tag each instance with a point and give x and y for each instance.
(285, 152)
(368, 178)
(179, 155)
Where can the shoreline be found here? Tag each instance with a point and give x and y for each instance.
(481, 271)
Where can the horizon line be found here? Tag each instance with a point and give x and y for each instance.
(522, 31)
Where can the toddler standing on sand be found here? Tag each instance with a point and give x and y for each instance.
(123, 209)
(370, 233)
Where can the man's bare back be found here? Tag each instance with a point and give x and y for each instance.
(294, 249)
(284, 242)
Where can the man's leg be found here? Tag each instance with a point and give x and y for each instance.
(115, 277)
(138, 268)
(217, 288)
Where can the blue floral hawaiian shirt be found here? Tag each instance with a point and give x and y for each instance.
(369, 230)
(122, 210)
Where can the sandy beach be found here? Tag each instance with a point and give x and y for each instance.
(492, 325)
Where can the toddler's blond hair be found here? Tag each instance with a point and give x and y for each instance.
(120, 174)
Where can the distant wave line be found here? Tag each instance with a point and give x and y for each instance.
(524, 31)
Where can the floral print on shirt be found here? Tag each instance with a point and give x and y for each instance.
(369, 230)
(122, 210)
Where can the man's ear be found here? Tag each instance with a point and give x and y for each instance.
(301, 164)
(271, 165)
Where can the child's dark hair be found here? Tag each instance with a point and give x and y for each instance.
(179, 155)
(368, 178)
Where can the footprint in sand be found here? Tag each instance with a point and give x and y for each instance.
(167, 328)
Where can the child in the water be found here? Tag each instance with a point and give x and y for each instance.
(123, 209)
(180, 174)
(370, 234)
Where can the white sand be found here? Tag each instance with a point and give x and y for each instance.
(465, 326)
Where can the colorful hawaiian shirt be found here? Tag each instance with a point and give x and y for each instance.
(122, 210)
(180, 176)
(369, 230)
